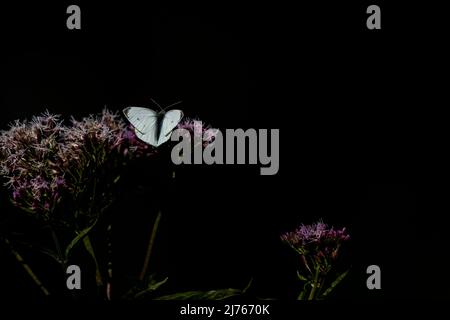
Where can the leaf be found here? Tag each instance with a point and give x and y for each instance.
(131, 293)
(301, 277)
(220, 294)
(24, 208)
(88, 245)
(153, 286)
(203, 295)
(139, 285)
(49, 253)
(77, 239)
(247, 287)
(334, 284)
(150, 246)
(43, 250)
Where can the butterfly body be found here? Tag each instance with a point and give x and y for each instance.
(153, 127)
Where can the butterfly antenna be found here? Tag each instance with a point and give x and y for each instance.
(173, 104)
(157, 104)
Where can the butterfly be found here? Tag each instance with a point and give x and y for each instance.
(153, 127)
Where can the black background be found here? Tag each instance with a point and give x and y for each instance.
(360, 117)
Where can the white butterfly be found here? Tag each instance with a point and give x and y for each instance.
(153, 127)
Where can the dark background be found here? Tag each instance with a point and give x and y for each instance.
(360, 116)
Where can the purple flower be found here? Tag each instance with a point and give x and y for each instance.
(314, 233)
(16, 194)
(59, 182)
(318, 241)
(131, 146)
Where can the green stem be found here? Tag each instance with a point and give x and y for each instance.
(305, 261)
(87, 241)
(88, 245)
(321, 285)
(61, 258)
(27, 268)
(314, 284)
(150, 247)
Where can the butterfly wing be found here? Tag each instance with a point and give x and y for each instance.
(149, 137)
(168, 123)
(143, 120)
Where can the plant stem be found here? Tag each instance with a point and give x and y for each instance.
(88, 245)
(110, 267)
(305, 261)
(62, 259)
(321, 284)
(150, 247)
(27, 268)
(314, 284)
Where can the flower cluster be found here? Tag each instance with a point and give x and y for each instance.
(314, 233)
(317, 242)
(318, 246)
(40, 159)
(29, 154)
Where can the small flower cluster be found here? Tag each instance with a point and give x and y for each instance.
(195, 127)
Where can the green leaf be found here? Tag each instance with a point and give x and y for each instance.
(52, 254)
(247, 287)
(88, 245)
(47, 252)
(140, 286)
(301, 277)
(220, 294)
(153, 286)
(77, 239)
(203, 295)
(334, 284)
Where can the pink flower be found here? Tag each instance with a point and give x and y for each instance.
(195, 126)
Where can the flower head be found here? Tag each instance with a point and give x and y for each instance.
(29, 156)
(317, 240)
(314, 233)
(196, 127)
